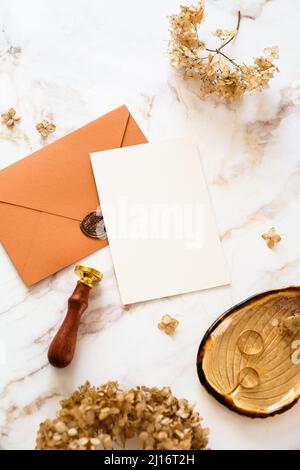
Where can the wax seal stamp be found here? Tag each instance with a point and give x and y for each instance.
(62, 348)
(93, 225)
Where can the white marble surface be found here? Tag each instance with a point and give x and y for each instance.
(74, 60)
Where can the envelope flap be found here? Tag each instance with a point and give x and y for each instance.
(58, 179)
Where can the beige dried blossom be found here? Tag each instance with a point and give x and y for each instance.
(218, 74)
(224, 34)
(10, 117)
(155, 416)
(168, 324)
(45, 128)
(271, 237)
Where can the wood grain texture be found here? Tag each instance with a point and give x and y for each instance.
(248, 339)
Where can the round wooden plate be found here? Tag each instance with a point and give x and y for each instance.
(249, 359)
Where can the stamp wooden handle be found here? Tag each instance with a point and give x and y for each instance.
(62, 348)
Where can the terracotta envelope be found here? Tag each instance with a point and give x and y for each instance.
(44, 197)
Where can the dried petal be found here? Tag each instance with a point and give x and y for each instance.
(44, 133)
(168, 325)
(83, 441)
(11, 112)
(50, 127)
(60, 427)
(95, 441)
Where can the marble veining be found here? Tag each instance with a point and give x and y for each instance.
(72, 61)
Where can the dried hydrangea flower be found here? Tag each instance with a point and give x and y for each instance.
(45, 128)
(271, 237)
(218, 74)
(155, 416)
(168, 324)
(10, 118)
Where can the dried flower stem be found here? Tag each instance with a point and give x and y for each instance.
(232, 37)
(218, 49)
(230, 60)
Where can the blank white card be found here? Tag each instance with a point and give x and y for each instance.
(159, 220)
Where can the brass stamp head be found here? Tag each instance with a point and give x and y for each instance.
(88, 276)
